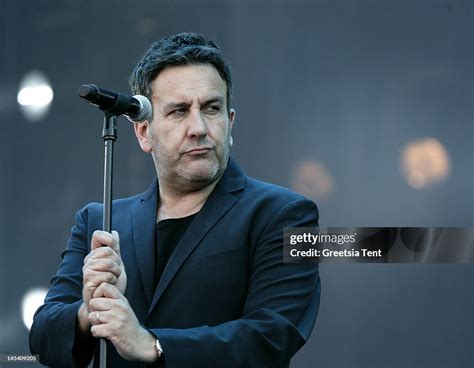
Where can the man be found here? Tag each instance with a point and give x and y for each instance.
(196, 277)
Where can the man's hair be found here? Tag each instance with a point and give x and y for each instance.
(176, 50)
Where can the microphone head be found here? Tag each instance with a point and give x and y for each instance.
(88, 92)
(144, 111)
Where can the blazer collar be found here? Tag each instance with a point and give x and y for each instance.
(217, 204)
(233, 178)
(143, 231)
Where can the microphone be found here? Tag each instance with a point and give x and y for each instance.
(136, 108)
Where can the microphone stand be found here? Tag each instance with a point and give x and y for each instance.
(113, 104)
(109, 135)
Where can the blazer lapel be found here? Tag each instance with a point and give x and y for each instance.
(219, 202)
(143, 227)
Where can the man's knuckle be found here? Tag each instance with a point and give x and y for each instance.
(110, 263)
(122, 308)
(99, 252)
(117, 270)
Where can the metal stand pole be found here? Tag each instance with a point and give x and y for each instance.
(109, 134)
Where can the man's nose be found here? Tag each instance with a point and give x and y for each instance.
(197, 124)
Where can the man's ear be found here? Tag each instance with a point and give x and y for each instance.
(231, 117)
(231, 124)
(141, 131)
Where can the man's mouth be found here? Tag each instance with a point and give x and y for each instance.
(198, 150)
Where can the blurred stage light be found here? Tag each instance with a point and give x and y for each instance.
(35, 96)
(32, 300)
(313, 180)
(425, 161)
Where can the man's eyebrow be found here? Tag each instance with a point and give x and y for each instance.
(175, 105)
(180, 105)
(212, 100)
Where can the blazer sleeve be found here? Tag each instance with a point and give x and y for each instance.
(278, 316)
(52, 335)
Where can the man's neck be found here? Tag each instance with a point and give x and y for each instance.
(172, 204)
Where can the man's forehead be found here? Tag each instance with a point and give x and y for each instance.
(188, 82)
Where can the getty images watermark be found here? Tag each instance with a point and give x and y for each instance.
(379, 245)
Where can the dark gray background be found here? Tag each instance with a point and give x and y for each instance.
(344, 82)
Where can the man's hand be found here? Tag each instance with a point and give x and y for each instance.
(103, 264)
(112, 318)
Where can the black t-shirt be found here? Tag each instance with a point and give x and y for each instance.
(168, 234)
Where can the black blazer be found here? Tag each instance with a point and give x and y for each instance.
(225, 298)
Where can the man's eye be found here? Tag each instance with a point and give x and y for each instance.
(213, 108)
(178, 112)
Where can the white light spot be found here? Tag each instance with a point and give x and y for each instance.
(35, 96)
(32, 300)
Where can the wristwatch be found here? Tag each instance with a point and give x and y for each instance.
(158, 348)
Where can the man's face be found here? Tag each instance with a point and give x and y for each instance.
(189, 136)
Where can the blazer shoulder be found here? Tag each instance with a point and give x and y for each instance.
(93, 207)
(275, 198)
(93, 210)
(277, 192)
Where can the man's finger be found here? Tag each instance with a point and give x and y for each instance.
(116, 236)
(103, 252)
(110, 291)
(102, 265)
(103, 238)
(100, 317)
(100, 330)
(104, 277)
(101, 304)
(106, 290)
